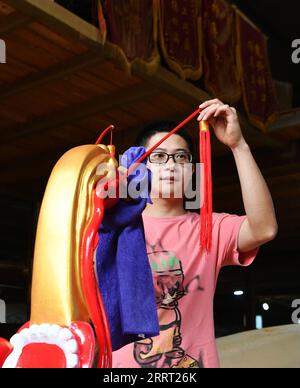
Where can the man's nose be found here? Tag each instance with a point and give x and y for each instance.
(171, 163)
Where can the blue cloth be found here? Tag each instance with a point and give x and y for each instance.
(123, 269)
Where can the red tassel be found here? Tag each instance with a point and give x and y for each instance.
(206, 210)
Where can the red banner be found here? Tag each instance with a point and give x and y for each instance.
(180, 36)
(102, 22)
(220, 67)
(132, 28)
(259, 93)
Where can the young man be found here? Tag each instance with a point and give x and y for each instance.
(184, 280)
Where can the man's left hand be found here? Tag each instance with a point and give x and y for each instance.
(225, 122)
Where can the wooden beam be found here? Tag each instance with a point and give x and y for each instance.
(78, 112)
(10, 22)
(60, 19)
(276, 175)
(193, 95)
(65, 22)
(53, 73)
(171, 84)
(286, 121)
(269, 165)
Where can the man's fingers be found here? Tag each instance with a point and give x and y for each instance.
(210, 103)
(210, 111)
(215, 111)
(225, 109)
(205, 111)
(216, 101)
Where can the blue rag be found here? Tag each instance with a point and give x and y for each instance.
(123, 269)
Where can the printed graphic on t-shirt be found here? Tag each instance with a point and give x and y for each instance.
(166, 351)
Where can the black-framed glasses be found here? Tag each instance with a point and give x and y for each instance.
(163, 157)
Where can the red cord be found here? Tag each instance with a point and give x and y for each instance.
(209, 192)
(203, 211)
(90, 287)
(207, 208)
(163, 140)
(203, 185)
(103, 134)
(205, 158)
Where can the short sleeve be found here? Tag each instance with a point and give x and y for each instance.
(229, 226)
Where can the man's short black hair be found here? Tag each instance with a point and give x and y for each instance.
(167, 126)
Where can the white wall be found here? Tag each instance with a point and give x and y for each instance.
(276, 347)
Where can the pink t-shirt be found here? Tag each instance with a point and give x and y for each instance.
(184, 285)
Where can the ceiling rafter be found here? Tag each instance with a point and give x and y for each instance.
(53, 73)
(78, 112)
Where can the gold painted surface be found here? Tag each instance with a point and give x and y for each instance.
(57, 296)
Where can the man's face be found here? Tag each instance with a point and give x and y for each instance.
(169, 180)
